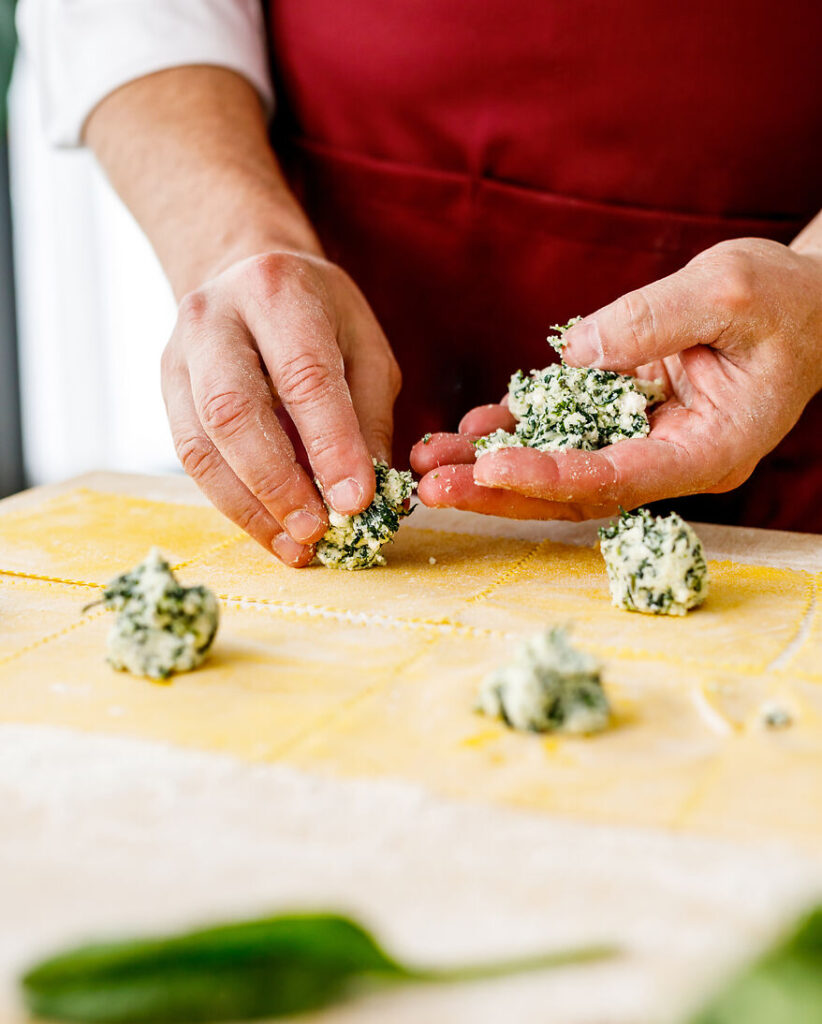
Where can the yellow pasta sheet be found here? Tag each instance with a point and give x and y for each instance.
(374, 674)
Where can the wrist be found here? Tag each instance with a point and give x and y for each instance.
(220, 244)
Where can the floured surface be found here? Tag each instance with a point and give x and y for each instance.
(687, 834)
(374, 673)
(102, 835)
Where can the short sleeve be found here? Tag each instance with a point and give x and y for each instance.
(82, 50)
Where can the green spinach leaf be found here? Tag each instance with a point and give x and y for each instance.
(8, 42)
(273, 967)
(782, 987)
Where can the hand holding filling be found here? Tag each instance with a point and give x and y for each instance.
(736, 336)
(356, 542)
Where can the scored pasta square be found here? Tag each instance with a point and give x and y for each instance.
(569, 586)
(375, 673)
(806, 660)
(92, 536)
(32, 610)
(428, 577)
(267, 682)
(420, 728)
(764, 782)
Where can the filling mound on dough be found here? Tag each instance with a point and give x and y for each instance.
(161, 627)
(655, 564)
(356, 542)
(562, 407)
(549, 686)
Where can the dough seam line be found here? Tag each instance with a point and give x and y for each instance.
(464, 631)
(339, 713)
(43, 641)
(449, 628)
(508, 574)
(796, 643)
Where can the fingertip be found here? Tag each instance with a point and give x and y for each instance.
(352, 494)
(440, 487)
(290, 553)
(515, 468)
(440, 450)
(304, 526)
(485, 419)
(346, 496)
(583, 344)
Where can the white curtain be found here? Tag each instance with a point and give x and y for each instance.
(94, 312)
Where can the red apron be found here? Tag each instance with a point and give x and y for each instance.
(484, 170)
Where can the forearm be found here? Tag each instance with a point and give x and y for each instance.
(187, 151)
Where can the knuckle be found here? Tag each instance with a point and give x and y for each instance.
(328, 445)
(737, 286)
(382, 436)
(197, 455)
(268, 269)
(274, 273)
(256, 522)
(225, 412)
(638, 319)
(305, 379)
(284, 280)
(193, 307)
(276, 491)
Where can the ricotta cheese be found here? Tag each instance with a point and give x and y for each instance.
(655, 564)
(556, 339)
(562, 406)
(549, 686)
(161, 627)
(356, 542)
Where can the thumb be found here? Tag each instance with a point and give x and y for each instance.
(650, 323)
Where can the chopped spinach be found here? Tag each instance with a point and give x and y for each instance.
(654, 564)
(355, 542)
(548, 686)
(161, 626)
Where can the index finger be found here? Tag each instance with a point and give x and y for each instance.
(236, 410)
(628, 473)
(650, 323)
(298, 342)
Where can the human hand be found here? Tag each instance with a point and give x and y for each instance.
(736, 336)
(280, 341)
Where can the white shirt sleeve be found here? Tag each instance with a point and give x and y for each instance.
(82, 50)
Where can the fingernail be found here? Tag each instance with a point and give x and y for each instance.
(346, 496)
(302, 525)
(585, 343)
(287, 549)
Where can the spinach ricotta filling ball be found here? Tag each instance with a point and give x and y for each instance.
(548, 686)
(161, 626)
(562, 407)
(655, 564)
(356, 542)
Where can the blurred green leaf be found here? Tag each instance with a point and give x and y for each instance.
(782, 987)
(8, 43)
(272, 967)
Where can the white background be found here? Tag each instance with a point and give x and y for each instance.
(94, 312)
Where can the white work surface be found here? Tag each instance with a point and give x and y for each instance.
(106, 835)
